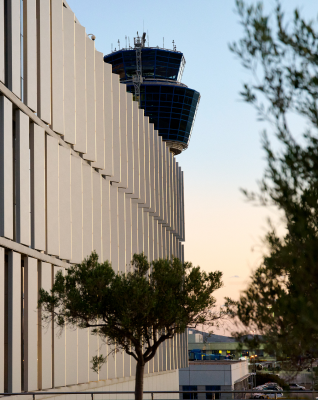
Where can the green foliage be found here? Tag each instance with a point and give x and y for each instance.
(281, 299)
(262, 378)
(134, 311)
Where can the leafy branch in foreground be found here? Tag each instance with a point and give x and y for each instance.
(281, 300)
(133, 312)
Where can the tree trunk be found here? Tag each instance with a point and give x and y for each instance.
(139, 387)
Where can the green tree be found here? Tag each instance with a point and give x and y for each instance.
(133, 312)
(282, 60)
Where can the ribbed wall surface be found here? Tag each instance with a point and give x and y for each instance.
(81, 169)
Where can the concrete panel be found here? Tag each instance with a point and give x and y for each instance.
(14, 322)
(156, 360)
(151, 237)
(168, 177)
(121, 230)
(165, 163)
(146, 232)
(147, 165)
(180, 190)
(116, 128)
(136, 150)
(65, 232)
(155, 240)
(176, 351)
(179, 201)
(182, 254)
(6, 169)
(45, 332)
(103, 351)
(172, 351)
(14, 47)
(90, 100)
(163, 365)
(97, 213)
(93, 351)
(119, 365)
(108, 115)
(70, 356)
(126, 365)
(130, 144)
(142, 156)
(168, 349)
(2, 316)
(160, 252)
(114, 226)
(152, 169)
(22, 175)
(123, 136)
(156, 173)
(182, 350)
(37, 153)
(162, 180)
(80, 54)
(173, 199)
(168, 244)
(106, 220)
(129, 253)
(59, 348)
(43, 60)
(134, 227)
(172, 251)
(111, 361)
(2, 72)
(76, 209)
(82, 358)
(57, 120)
(69, 75)
(87, 211)
(140, 229)
(100, 130)
(164, 242)
(29, 54)
(52, 158)
(182, 206)
(30, 324)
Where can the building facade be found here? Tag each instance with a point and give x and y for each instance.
(81, 169)
(213, 375)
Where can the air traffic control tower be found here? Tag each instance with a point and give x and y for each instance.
(154, 75)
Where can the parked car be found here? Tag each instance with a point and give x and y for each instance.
(295, 386)
(272, 388)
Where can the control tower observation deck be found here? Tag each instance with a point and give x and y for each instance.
(153, 75)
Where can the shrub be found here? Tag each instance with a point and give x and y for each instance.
(262, 378)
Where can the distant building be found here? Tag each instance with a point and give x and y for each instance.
(202, 345)
(213, 375)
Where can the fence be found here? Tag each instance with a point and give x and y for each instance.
(267, 393)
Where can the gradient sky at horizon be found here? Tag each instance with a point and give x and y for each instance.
(225, 151)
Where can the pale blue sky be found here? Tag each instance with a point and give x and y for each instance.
(224, 153)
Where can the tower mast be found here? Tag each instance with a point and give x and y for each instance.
(137, 79)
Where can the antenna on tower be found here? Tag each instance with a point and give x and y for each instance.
(126, 41)
(129, 41)
(148, 38)
(118, 44)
